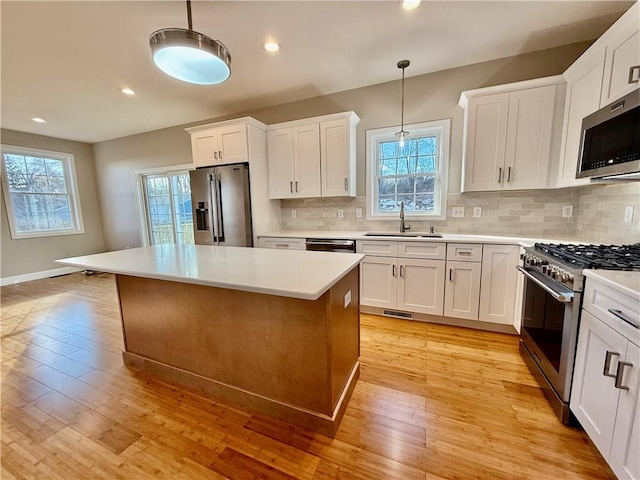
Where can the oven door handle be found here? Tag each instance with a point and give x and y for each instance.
(564, 297)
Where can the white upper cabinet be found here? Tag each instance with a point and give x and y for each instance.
(222, 143)
(622, 60)
(314, 157)
(508, 131)
(293, 158)
(584, 79)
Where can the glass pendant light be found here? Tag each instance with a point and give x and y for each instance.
(402, 134)
(190, 56)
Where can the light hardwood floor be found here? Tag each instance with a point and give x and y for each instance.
(433, 402)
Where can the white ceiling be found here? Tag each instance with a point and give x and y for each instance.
(66, 61)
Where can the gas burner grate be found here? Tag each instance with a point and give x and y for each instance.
(607, 257)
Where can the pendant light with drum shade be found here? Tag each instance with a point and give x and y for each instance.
(402, 134)
(190, 56)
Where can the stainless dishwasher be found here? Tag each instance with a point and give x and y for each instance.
(331, 245)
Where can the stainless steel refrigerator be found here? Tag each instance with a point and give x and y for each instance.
(221, 204)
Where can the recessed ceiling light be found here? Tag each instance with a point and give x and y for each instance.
(271, 46)
(127, 91)
(39, 120)
(410, 4)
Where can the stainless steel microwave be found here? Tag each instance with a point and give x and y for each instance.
(610, 142)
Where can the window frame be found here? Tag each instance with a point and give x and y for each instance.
(442, 128)
(73, 194)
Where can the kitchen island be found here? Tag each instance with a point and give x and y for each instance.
(247, 325)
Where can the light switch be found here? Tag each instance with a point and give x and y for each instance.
(294, 214)
(358, 212)
(457, 212)
(340, 213)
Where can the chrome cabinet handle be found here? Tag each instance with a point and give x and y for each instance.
(607, 363)
(499, 174)
(451, 274)
(346, 183)
(215, 155)
(296, 186)
(220, 154)
(393, 270)
(508, 174)
(291, 186)
(623, 317)
(633, 78)
(402, 270)
(465, 253)
(619, 373)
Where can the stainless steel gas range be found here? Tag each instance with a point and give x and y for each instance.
(551, 309)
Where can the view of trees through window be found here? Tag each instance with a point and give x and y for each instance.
(39, 193)
(169, 214)
(407, 174)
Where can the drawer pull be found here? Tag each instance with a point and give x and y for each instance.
(634, 74)
(607, 363)
(619, 373)
(465, 253)
(624, 318)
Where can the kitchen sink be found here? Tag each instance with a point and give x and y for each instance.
(405, 234)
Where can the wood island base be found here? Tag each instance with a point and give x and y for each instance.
(293, 359)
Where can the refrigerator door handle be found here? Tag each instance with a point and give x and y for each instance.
(216, 207)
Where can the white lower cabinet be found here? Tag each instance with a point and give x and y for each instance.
(458, 280)
(462, 292)
(420, 286)
(604, 395)
(498, 284)
(282, 243)
(378, 281)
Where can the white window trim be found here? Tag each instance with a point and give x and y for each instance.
(138, 188)
(442, 128)
(72, 183)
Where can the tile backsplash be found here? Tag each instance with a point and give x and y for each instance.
(597, 217)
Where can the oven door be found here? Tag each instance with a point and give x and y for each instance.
(549, 330)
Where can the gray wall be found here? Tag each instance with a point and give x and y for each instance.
(428, 97)
(30, 255)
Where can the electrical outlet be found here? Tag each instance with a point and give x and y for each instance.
(358, 212)
(340, 213)
(567, 211)
(457, 212)
(628, 214)
(477, 212)
(347, 299)
(294, 214)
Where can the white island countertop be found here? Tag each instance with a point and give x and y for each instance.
(288, 273)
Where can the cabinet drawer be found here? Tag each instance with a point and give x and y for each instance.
(380, 249)
(430, 250)
(601, 300)
(283, 243)
(464, 252)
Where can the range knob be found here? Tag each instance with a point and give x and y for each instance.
(570, 280)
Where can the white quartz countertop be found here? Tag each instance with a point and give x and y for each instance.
(287, 273)
(625, 282)
(446, 237)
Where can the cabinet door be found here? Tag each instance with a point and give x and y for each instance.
(625, 448)
(280, 161)
(486, 133)
(529, 138)
(594, 398)
(306, 154)
(203, 146)
(498, 283)
(622, 62)
(378, 282)
(462, 290)
(336, 158)
(584, 79)
(232, 144)
(421, 286)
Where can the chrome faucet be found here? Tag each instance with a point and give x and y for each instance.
(403, 226)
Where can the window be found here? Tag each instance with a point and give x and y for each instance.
(40, 191)
(415, 174)
(168, 202)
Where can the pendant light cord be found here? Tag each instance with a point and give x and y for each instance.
(402, 108)
(190, 22)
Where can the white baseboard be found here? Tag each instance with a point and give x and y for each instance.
(27, 277)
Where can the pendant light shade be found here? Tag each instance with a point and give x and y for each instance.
(190, 56)
(402, 134)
